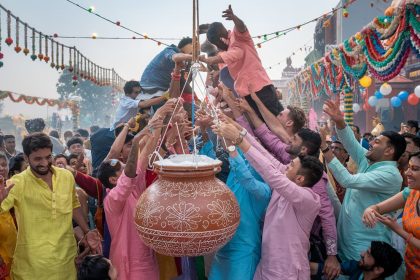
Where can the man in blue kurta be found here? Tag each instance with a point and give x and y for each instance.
(156, 78)
(377, 179)
(238, 259)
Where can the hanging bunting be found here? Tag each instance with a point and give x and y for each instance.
(1, 39)
(33, 56)
(25, 33)
(46, 57)
(9, 39)
(17, 47)
(380, 50)
(40, 55)
(57, 57)
(54, 52)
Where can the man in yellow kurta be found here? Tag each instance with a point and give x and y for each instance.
(45, 203)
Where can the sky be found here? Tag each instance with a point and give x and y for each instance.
(160, 18)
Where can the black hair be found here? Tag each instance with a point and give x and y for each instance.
(414, 138)
(94, 267)
(337, 142)
(311, 140)
(35, 125)
(118, 130)
(128, 87)
(106, 170)
(357, 128)
(386, 257)
(94, 128)
(215, 32)
(68, 133)
(8, 136)
(35, 141)
(74, 140)
(413, 123)
(417, 154)
(184, 41)
(367, 134)
(83, 132)
(54, 133)
(15, 164)
(72, 156)
(397, 141)
(61, 156)
(311, 168)
(297, 115)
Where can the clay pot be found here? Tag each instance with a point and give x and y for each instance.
(187, 211)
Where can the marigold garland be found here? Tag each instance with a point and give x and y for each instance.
(38, 100)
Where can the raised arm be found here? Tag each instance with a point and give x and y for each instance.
(387, 206)
(253, 117)
(118, 144)
(243, 175)
(233, 134)
(175, 85)
(152, 101)
(117, 197)
(180, 57)
(344, 132)
(379, 180)
(272, 122)
(239, 24)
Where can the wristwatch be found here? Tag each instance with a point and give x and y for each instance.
(325, 150)
(243, 132)
(231, 149)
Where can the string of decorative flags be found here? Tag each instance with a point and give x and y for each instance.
(266, 37)
(379, 50)
(43, 47)
(95, 36)
(118, 23)
(305, 47)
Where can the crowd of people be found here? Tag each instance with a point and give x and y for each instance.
(323, 204)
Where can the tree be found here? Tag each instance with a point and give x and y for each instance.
(96, 104)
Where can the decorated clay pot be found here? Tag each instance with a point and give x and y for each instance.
(187, 211)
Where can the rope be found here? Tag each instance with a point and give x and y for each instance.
(180, 139)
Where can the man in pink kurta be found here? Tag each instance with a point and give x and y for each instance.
(132, 258)
(238, 52)
(290, 213)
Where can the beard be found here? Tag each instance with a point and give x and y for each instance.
(41, 170)
(294, 151)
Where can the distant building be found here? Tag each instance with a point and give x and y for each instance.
(333, 30)
(281, 85)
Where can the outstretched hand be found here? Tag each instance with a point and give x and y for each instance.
(228, 13)
(166, 108)
(369, 217)
(332, 109)
(226, 130)
(4, 190)
(389, 221)
(244, 105)
(203, 120)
